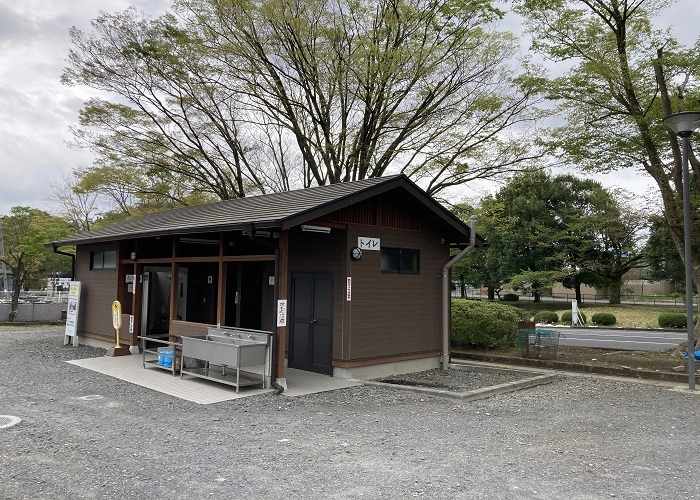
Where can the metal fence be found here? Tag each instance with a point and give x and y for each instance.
(36, 297)
(652, 300)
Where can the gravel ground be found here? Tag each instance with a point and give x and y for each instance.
(577, 438)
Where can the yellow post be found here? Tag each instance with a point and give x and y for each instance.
(117, 319)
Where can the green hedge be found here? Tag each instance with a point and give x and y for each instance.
(566, 317)
(674, 320)
(603, 319)
(549, 317)
(484, 324)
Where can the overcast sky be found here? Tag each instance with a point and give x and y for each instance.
(36, 111)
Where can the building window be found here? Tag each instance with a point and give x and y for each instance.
(103, 260)
(400, 260)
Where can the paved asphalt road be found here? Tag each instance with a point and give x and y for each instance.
(637, 340)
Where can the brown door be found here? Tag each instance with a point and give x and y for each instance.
(311, 333)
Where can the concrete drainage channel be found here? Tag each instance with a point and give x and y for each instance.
(7, 421)
(474, 394)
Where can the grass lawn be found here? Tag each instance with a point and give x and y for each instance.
(628, 316)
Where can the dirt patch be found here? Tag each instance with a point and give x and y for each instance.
(454, 380)
(629, 361)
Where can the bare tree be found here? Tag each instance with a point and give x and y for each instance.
(79, 208)
(230, 98)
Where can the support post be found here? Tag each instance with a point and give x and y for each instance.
(282, 293)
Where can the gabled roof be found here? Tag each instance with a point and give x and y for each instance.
(276, 210)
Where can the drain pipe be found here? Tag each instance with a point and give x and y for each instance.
(72, 261)
(445, 358)
(278, 389)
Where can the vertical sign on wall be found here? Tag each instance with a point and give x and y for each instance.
(281, 313)
(349, 290)
(72, 313)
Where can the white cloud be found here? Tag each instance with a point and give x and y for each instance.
(36, 111)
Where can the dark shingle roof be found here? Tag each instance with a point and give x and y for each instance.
(276, 210)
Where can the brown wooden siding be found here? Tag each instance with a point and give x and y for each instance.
(323, 253)
(99, 290)
(362, 213)
(400, 211)
(396, 314)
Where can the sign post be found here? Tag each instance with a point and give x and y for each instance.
(117, 350)
(72, 313)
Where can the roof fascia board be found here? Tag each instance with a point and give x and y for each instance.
(170, 232)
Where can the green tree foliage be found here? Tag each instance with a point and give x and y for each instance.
(544, 229)
(481, 267)
(615, 92)
(660, 254)
(25, 231)
(225, 98)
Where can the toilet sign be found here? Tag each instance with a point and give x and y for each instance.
(366, 243)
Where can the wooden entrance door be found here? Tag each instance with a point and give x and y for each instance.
(311, 334)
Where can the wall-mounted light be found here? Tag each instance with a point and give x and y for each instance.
(315, 229)
(132, 255)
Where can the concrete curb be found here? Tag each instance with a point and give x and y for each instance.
(574, 367)
(475, 394)
(34, 323)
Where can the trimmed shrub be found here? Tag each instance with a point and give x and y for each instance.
(510, 297)
(603, 319)
(549, 317)
(566, 317)
(484, 324)
(674, 320)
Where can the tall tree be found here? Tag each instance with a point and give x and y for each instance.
(484, 267)
(25, 231)
(661, 256)
(614, 94)
(543, 229)
(237, 97)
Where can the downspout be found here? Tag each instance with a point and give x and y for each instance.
(278, 389)
(445, 358)
(72, 258)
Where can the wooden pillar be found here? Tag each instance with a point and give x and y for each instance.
(136, 302)
(281, 280)
(221, 302)
(174, 281)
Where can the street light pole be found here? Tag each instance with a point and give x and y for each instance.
(683, 124)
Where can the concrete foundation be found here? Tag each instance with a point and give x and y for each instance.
(387, 369)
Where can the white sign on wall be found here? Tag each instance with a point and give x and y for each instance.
(281, 313)
(368, 243)
(349, 289)
(72, 309)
